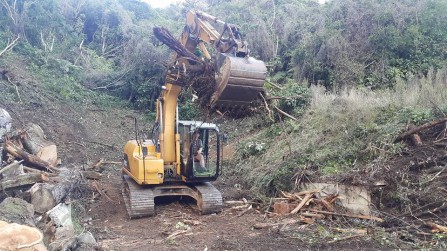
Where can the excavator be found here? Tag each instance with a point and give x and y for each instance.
(165, 164)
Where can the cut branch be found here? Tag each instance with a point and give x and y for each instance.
(19, 153)
(22, 180)
(267, 107)
(10, 45)
(14, 164)
(302, 203)
(419, 128)
(166, 38)
(274, 85)
(365, 217)
(284, 113)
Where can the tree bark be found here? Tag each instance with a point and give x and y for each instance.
(419, 128)
(19, 153)
(22, 180)
(45, 196)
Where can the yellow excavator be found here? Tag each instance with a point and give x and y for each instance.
(167, 163)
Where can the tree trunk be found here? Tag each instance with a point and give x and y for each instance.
(22, 180)
(19, 153)
(45, 196)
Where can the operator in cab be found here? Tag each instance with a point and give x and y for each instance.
(197, 148)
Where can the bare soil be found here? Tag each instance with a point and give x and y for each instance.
(85, 133)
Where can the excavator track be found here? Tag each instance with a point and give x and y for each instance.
(209, 198)
(138, 199)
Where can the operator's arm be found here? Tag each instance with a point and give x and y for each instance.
(199, 146)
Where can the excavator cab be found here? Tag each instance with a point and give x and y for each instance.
(203, 166)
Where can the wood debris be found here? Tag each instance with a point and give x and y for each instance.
(435, 228)
(29, 171)
(311, 205)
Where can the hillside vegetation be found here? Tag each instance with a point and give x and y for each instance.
(358, 72)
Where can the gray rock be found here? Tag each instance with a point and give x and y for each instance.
(15, 210)
(87, 238)
(5, 122)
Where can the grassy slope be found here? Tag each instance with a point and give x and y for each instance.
(85, 125)
(339, 133)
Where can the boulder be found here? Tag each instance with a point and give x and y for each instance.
(15, 210)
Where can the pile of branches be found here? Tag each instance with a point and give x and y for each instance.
(30, 175)
(410, 190)
(311, 205)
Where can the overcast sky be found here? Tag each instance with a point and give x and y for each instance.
(160, 3)
(165, 3)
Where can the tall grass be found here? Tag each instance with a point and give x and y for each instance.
(339, 132)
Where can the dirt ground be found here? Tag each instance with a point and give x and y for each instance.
(85, 133)
(223, 231)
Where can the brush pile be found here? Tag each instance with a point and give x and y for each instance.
(36, 192)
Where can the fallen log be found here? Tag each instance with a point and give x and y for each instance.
(419, 128)
(45, 196)
(13, 164)
(364, 217)
(415, 138)
(32, 159)
(22, 180)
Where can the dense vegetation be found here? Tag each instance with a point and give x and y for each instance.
(108, 45)
(385, 59)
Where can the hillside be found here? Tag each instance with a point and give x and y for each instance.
(345, 80)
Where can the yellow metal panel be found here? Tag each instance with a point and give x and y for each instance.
(170, 95)
(177, 152)
(147, 170)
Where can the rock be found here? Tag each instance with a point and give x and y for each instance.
(5, 122)
(60, 215)
(59, 229)
(34, 139)
(15, 210)
(87, 238)
(83, 242)
(5, 126)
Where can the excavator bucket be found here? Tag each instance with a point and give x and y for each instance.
(239, 80)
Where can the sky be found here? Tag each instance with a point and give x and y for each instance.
(166, 3)
(160, 3)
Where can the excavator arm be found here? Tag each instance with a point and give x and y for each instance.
(238, 77)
